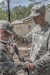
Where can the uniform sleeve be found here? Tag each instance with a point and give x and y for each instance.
(28, 37)
(9, 66)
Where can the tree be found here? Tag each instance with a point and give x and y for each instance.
(8, 6)
(3, 14)
(2, 4)
(20, 12)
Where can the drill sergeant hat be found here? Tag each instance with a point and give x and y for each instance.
(37, 10)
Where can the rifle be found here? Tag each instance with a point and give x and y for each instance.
(20, 56)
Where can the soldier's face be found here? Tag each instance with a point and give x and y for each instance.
(4, 35)
(37, 19)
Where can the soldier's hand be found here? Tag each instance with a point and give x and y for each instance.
(13, 44)
(29, 65)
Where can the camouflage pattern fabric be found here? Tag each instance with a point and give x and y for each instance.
(7, 64)
(40, 52)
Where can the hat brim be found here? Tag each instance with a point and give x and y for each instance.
(34, 14)
(10, 32)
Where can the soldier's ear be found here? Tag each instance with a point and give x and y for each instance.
(2, 30)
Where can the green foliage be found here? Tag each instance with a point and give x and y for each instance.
(18, 12)
(3, 14)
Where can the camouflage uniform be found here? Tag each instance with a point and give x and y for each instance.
(7, 64)
(40, 53)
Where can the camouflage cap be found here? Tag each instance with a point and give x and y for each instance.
(37, 10)
(7, 26)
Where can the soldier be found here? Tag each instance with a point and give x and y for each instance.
(7, 64)
(40, 37)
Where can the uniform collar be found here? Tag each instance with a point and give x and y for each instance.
(45, 27)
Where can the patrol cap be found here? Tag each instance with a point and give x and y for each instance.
(37, 10)
(7, 26)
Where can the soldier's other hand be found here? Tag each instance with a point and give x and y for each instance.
(13, 44)
(29, 65)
